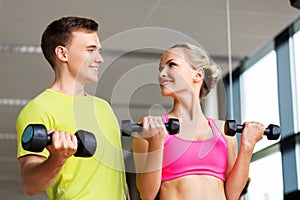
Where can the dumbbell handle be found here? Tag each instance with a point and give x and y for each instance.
(231, 128)
(35, 138)
(128, 128)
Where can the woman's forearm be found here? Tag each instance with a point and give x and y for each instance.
(239, 174)
(149, 180)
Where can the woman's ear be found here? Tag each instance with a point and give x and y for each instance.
(199, 75)
(61, 53)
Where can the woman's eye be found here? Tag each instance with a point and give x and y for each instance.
(172, 64)
(160, 68)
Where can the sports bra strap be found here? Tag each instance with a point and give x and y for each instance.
(165, 118)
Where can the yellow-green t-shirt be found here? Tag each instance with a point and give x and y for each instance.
(99, 177)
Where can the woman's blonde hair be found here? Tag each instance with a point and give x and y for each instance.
(199, 59)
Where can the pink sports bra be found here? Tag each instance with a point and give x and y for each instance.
(189, 157)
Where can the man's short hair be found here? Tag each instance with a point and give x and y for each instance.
(59, 33)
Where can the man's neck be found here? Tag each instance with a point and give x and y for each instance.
(74, 89)
(66, 84)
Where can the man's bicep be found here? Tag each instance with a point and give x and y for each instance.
(29, 160)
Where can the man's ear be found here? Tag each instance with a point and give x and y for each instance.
(199, 75)
(61, 53)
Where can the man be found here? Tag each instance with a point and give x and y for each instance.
(72, 48)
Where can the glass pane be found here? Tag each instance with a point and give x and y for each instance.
(259, 95)
(266, 181)
(297, 75)
(296, 45)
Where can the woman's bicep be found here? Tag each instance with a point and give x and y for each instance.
(231, 142)
(232, 153)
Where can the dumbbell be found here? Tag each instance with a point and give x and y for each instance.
(172, 127)
(231, 128)
(35, 138)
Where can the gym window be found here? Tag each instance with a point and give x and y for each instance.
(266, 178)
(295, 57)
(296, 68)
(259, 96)
(259, 102)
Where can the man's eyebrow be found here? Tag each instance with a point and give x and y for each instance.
(92, 46)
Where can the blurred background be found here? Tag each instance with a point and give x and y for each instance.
(256, 43)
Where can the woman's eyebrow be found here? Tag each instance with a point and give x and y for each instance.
(169, 61)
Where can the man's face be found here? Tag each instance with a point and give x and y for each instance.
(84, 56)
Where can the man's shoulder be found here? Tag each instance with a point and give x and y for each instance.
(101, 101)
(37, 106)
(38, 99)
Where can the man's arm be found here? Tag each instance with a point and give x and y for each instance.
(38, 172)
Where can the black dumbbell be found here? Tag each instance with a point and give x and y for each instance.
(231, 128)
(35, 138)
(127, 127)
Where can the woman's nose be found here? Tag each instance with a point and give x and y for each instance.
(163, 72)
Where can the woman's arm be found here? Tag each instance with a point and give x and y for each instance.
(148, 154)
(238, 170)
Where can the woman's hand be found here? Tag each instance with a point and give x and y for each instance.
(154, 131)
(252, 133)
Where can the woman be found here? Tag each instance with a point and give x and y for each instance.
(200, 162)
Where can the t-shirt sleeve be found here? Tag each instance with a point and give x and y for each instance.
(29, 115)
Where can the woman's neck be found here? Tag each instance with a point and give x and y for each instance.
(187, 108)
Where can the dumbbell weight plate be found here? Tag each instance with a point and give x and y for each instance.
(34, 138)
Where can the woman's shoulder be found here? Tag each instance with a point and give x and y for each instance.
(221, 126)
(219, 123)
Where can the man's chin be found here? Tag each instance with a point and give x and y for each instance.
(92, 81)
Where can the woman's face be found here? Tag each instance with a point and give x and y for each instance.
(176, 74)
